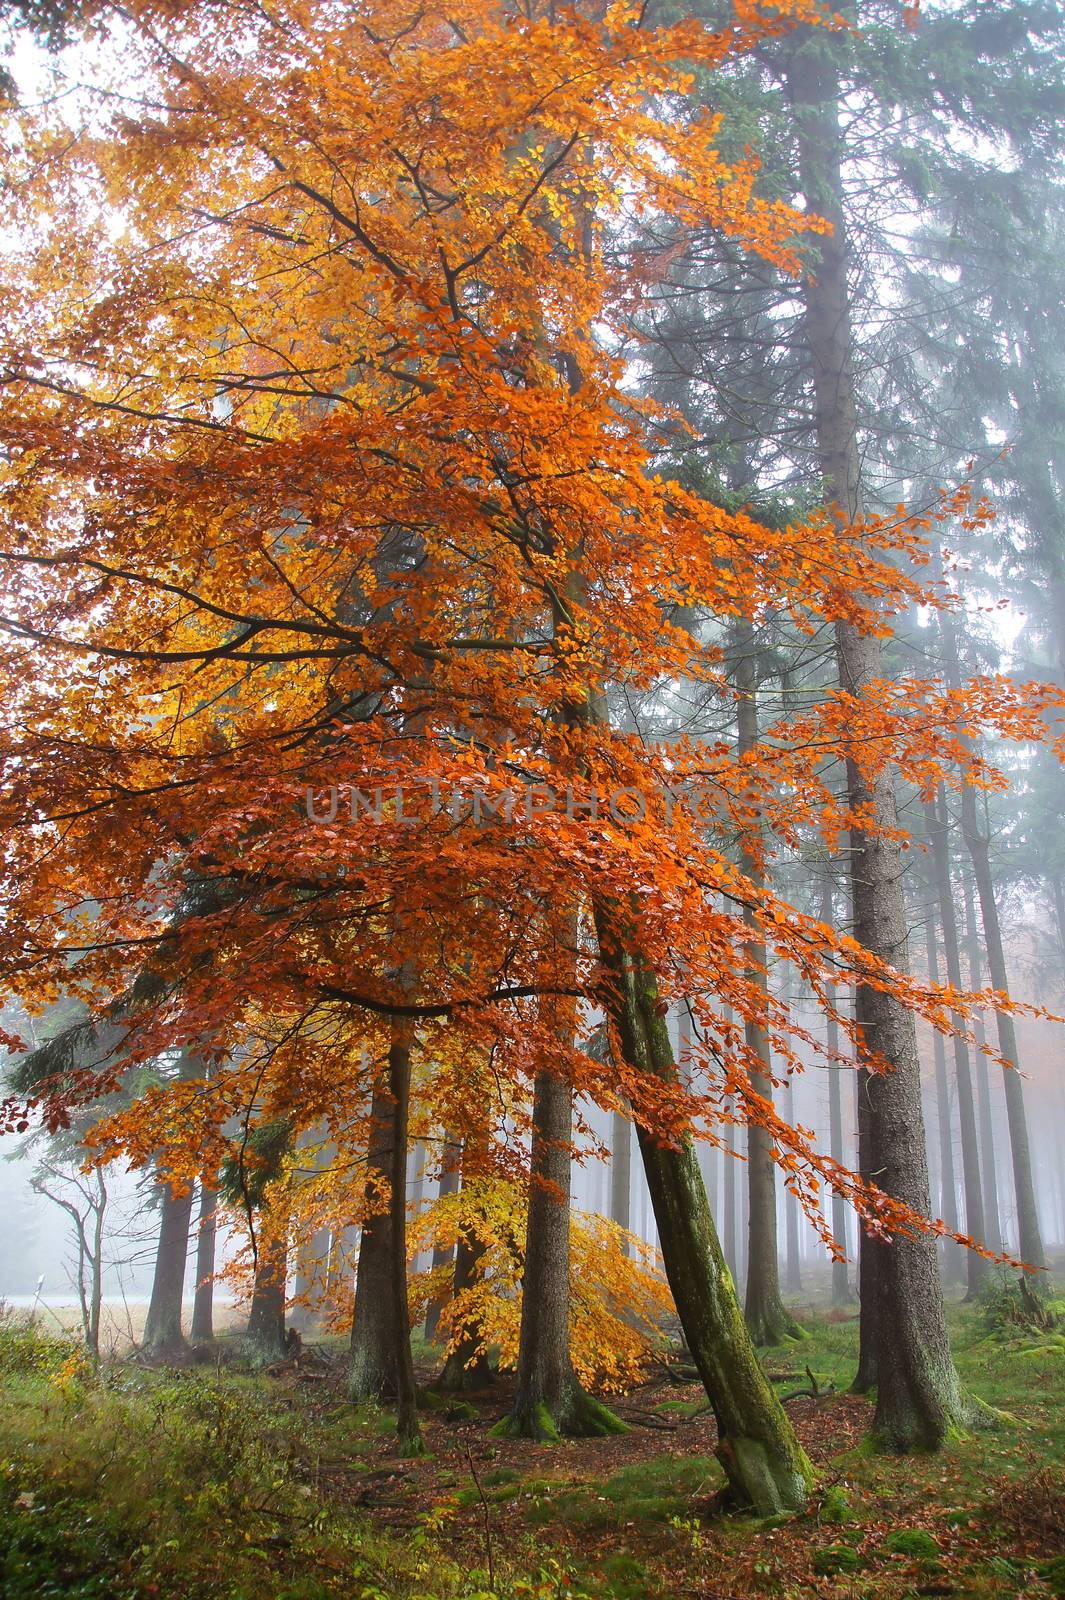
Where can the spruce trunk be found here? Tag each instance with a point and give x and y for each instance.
(988, 1158)
(764, 1311)
(1030, 1240)
(621, 1171)
(264, 1336)
(202, 1331)
(162, 1327)
(919, 1398)
(948, 1189)
(976, 1265)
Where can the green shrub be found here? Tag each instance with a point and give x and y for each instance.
(29, 1350)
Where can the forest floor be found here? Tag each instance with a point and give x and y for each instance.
(211, 1484)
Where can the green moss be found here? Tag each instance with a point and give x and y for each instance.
(914, 1542)
(835, 1559)
(835, 1506)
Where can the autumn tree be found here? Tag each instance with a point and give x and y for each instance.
(331, 523)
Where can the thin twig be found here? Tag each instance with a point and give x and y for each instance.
(487, 1515)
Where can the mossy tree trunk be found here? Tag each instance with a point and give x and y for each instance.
(763, 1461)
(549, 1400)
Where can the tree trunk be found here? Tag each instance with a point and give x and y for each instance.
(762, 1459)
(549, 1401)
(466, 1366)
(764, 1310)
(620, 1171)
(264, 1337)
(731, 1180)
(312, 1249)
(407, 1426)
(791, 1212)
(948, 1188)
(919, 1399)
(372, 1368)
(841, 1289)
(96, 1282)
(312, 1255)
(1029, 1236)
(418, 1161)
(162, 1327)
(202, 1331)
(976, 840)
(449, 1183)
(868, 1257)
(976, 1265)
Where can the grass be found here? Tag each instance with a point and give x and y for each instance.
(135, 1484)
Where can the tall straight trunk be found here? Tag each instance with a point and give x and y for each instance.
(742, 1210)
(312, 1258)
(938, 824)
(791, 1210)
(976, 840)
(419, 1161)
(762, 1459)
(731, 1233)
(96, 1266)
(763, 1308)
(919, 1398)
(443, 1255)
(265, 1333)
(372, 1363)
(312, 1249)
(1030, 1241)
(620, 1170)
(549, 1401)
(162, 1327)
(948, 1189)
(399, 1075)
(841, 1290)
(868, 1254)
(202, 1331)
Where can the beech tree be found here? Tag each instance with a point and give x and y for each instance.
(333, 525)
